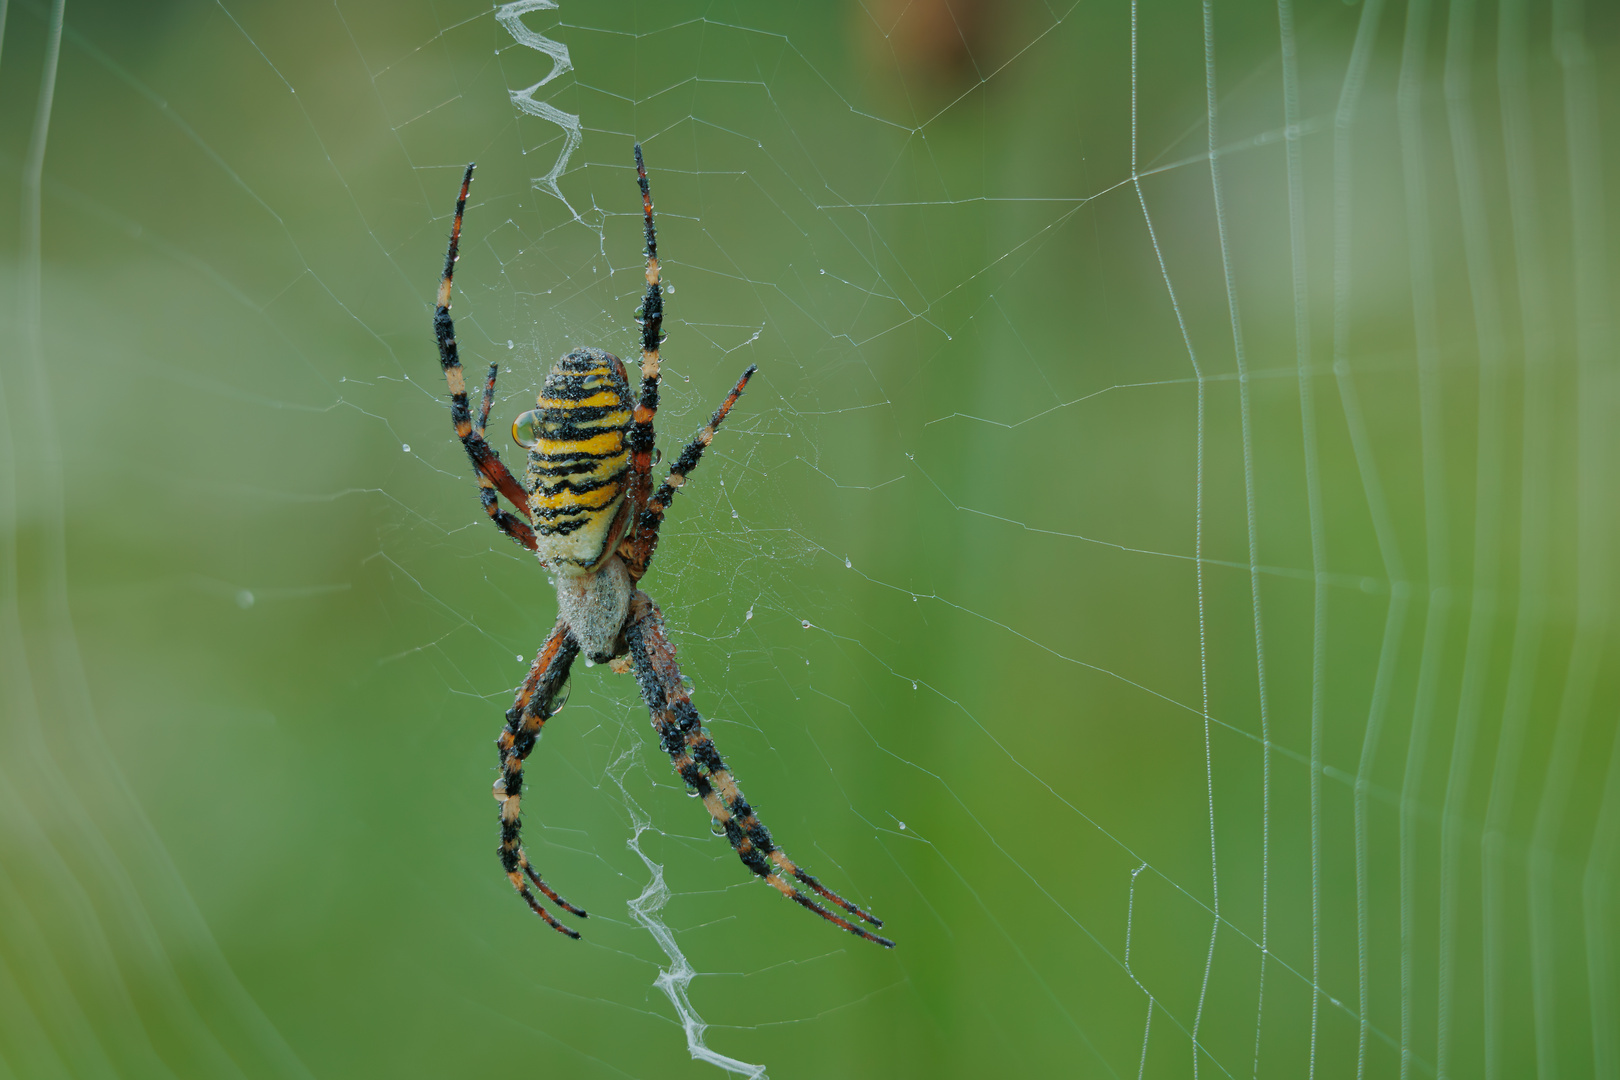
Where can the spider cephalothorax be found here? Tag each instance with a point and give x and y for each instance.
(589, 512)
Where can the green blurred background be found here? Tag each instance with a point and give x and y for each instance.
(1182, 608)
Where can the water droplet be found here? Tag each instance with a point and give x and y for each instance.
(589, 662)
(561, 699)
(520, 658)
(691, 792)
(822, 271)
(914, 684)
(734, 513)
(244, 599)
(847, 564)
(405, 447)
(748, 616)
(715, 828)
(805, 623)
(902, 826)
(344, 379)
(670, 289)
(509, 344)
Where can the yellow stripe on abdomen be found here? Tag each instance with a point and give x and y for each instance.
(578, 464)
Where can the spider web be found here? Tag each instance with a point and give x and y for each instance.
(1163, 565)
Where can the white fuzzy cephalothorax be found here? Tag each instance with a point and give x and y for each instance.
(594, 606)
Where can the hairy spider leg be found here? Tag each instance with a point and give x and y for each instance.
(693, 753)
(639, 551)
(492, 475)
(528, 714)
(640, 438)
(489, 399)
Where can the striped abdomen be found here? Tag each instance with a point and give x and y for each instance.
(577, 459)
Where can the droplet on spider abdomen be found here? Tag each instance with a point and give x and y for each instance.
(526, 429)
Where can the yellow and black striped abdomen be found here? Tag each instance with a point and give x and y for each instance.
(577, 458)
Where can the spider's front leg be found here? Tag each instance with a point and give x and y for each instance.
(680, 731)
(528, 714)
(492, 474)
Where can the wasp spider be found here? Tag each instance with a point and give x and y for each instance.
(588, 510)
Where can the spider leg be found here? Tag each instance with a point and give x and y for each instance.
(528, 714)
(651, 517)
(489, 399)
(693, 753)
(640, 438)
(492, 474)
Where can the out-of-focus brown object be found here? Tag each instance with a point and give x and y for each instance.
(932, 44)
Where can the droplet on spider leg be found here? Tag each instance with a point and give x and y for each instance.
(691, 792)
(561, 698)
(715, 828)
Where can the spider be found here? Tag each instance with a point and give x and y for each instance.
(588, 511)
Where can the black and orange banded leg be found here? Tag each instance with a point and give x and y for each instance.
(693, 753)
(531, 709)
(651, 518)
(640, 437)
(492, 474)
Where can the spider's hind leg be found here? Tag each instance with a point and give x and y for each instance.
(698, 762)
(528, 714)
